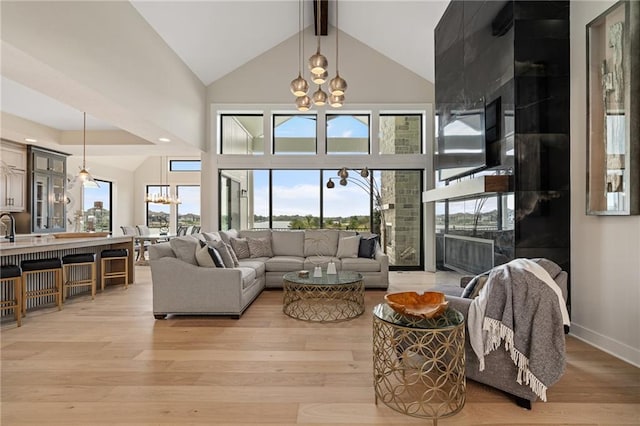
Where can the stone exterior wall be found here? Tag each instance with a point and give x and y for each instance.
(400, 190)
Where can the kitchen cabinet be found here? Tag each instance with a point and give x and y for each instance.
(13, 177)
(48, 185)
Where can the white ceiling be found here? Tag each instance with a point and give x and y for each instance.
(217, 36)
(214, 37)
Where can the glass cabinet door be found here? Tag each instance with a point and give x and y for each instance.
(57, 203)
(40, 202)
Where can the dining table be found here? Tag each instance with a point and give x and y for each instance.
(142, 241)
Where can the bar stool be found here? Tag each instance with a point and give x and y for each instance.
(42, 266)
(108, 257)
(12, 274)
(80, 261)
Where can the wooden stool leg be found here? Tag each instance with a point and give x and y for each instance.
(102, 279)
(65, 274)
(17, 291)
(126, 273)
(59, 284)
(24, 292)
(93, 280)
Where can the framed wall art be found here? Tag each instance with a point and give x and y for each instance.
(613, 111)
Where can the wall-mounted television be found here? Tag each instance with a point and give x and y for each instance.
(469, 139)
(461, 140)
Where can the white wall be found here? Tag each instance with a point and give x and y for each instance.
(605, 250)
(103, 57)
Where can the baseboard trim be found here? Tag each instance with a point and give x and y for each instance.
(604, 343)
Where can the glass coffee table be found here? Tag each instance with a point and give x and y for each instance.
(419, 364)
(332, 297)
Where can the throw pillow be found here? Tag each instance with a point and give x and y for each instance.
(185, 248)
(208, 257)
(221, 247)
(474, 286)
(348, 247)
(234, 257)
(260, 247)
(241, 247)
(367, 247)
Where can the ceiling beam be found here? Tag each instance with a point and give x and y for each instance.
(324, 16)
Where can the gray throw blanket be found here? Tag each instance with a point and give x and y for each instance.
(519, 308)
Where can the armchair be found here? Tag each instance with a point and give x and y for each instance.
(500, 369)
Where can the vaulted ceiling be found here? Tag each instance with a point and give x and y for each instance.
(215, 37)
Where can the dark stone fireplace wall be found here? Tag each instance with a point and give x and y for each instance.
(517, 51)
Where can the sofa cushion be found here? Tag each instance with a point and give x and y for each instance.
(287, 243)
(208, 257)
(312, 261)
(232, 252)
(185, 248)
(367, 248)
(241, 247)
(255, 233)
(360, 264)
(284, 263)
(228, 235)
(345, 233)
(248, 276)
(259, 247)
(221, 247)
(348, 247)
(320, 242)
(211, 236)
(256, 264)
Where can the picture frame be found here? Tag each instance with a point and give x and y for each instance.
(613, 111)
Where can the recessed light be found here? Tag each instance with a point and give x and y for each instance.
(164, 139)
(30, 140)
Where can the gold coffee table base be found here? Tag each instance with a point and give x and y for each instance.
(324, 301)
(419, 371)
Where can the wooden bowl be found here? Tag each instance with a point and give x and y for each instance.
(430, 304)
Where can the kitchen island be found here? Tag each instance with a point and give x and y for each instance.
(32, 247)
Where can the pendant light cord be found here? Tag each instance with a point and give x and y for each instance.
(84, 139)
(337, 31)
(301, 35)
(318, 30)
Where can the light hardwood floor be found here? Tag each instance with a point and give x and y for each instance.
(108, 362)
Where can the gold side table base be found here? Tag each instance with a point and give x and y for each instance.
(330, 303)
(419, 372)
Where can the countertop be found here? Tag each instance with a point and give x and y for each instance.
(39, 243)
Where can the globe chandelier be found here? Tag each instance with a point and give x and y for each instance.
(318, 67)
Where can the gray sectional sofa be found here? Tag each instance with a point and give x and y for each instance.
(184, 285)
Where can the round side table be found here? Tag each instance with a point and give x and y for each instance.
(418, 364)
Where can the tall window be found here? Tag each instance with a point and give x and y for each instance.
(158, 214)
(242, 134)
(347, 134)
(97, 207)
(189, 211)
(296, 199)
(294, 134)
(346, 207)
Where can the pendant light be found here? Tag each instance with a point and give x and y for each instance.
(299, 86)
(318, 62)
(84, 177)
(338, 85)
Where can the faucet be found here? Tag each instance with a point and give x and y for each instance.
(11, 231)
